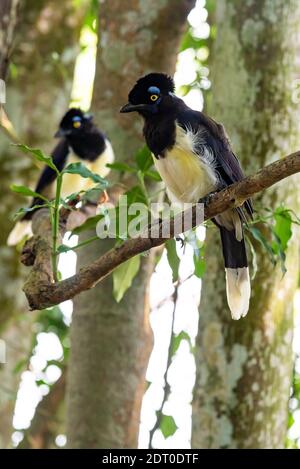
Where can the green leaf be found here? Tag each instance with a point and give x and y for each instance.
(254, 258)
(147, 385)
(59, 276)
(38, 155)
(83, 171)
(167, 425)
(123, 167)
(173, 259)
(279, 251)
(177, 339)
(154, 175)
(26, 192)
(40, 382)
(283, 226)
(93, 194)
(257, 234)
(123, 277)
(135, 195)
(191, 42)
(63, 248)
(52, 320)
(22, 211)
(71, 197)
(291, 421)
(89, 224)
(199, 262)
(144, 159)
(91, 18)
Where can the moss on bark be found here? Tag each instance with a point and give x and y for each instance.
(111, 342)
(244, 368)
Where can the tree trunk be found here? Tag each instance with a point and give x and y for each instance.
(244, 368)
(8, 20)
(38, 86)
(18, 340)
(28, 104)
(110, 342)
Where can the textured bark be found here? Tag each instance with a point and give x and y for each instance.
(42, 292)
(36, 87)
(111, 342)
(136, 37)
(244, 369)
(28, 104)
(8, 20)
(17, 338)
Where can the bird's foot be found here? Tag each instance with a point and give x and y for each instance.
(104, 198)
(207, 199)
(180, 240)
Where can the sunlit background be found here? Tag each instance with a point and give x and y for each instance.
(164, 317)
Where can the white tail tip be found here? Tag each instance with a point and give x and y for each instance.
(21, 229)
(238, 290)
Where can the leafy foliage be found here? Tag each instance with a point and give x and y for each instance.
(123, 277)
(38, 155)
(173, 258)
(273, 232)
(177, 339)
(199, 262)
(84, 172)
(89, 224)
(167, 425)
(54, 206)
(23, 190)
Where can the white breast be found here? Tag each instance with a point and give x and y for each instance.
(107, 157)
(75, 183)
(188, 177)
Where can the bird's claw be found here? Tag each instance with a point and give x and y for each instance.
(207, 199)
(104, 198)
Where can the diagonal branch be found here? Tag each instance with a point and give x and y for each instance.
(39, 288)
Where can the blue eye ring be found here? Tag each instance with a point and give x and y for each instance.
(154, 90)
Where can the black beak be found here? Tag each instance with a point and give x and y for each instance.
(60, 133)
(133, 107)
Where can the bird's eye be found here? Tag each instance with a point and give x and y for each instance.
(154, 97)
(77, 124)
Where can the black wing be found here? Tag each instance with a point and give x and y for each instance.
(227, 164)
(48, 176)
(59, 157)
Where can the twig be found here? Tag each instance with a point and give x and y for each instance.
(55, 225)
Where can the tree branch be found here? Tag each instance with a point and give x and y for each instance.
(39, 288)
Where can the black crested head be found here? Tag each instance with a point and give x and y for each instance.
(70, 115)
(149, 93)
(73, 123)
(140, 92)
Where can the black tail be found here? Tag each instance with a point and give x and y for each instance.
(234, 251)
(237, 274)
